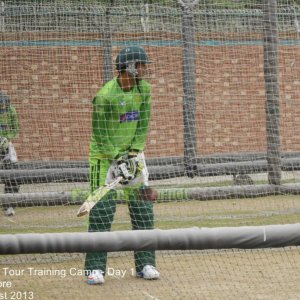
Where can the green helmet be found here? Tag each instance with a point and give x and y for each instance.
(131, 55)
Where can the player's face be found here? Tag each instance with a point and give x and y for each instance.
(142, 69)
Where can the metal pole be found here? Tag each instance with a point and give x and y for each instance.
(2, 19)
(107, 39)
(272, 91)
(189, 88)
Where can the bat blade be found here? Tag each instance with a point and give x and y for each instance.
(96, 196)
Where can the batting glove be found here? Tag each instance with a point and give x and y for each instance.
(126, 168)
(136, 158)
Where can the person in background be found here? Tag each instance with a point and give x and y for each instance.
(9, 129)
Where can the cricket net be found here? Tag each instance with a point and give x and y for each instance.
(222, 150)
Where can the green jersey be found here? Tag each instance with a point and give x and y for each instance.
(9, 123)
(120, 119)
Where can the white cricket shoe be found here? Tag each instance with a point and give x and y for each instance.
(149, 272)
(95, 277)
(10, 212)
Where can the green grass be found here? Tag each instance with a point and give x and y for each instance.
(175, 214)
(273, 220)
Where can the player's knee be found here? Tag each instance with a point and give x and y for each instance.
(107, 205)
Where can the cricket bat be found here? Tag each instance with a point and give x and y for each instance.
(96, 196)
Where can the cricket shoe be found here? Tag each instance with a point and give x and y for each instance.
(10, 212)
(95, 277)
(148, 272)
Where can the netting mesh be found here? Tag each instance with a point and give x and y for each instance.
(215, 275)
(209, 117)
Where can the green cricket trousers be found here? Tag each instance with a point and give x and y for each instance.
(102, 214)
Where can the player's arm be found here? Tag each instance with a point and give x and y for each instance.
(101, 131)
(139, 141)
(14, 126)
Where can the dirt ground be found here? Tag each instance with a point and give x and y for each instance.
(231, 274)
(210, 274)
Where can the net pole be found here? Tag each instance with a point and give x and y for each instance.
(189, 88)
(272, 90)
(107, 66)
(2, 22)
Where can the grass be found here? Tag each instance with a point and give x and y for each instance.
(175, 214)
(274, 220)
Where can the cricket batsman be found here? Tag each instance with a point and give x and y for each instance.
(120, 121)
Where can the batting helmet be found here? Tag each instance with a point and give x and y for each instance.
(127, 58)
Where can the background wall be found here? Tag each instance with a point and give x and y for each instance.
(52, 79)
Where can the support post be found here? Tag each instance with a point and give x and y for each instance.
(272, 91)
(107, 66)
(189, 88)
